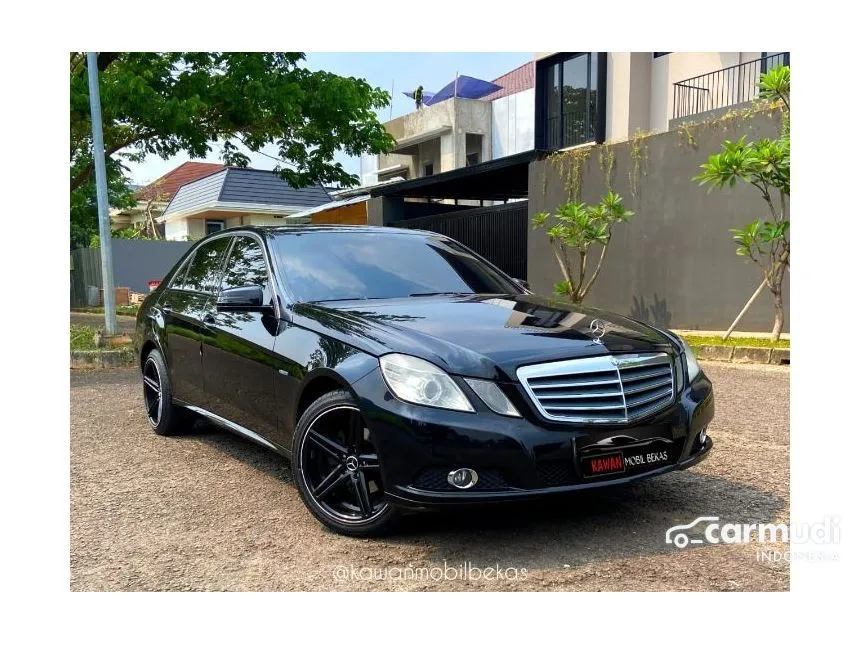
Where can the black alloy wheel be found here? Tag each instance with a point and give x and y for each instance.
(337, 468)
(152, 395)
(164, 416)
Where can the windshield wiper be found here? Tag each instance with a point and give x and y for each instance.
(439, 293)
(315, 302)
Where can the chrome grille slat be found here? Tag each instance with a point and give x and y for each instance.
(574, 408)
(634, 401)
(647, 386)
(643, 375)
(579, 390)
(543, 385)
(587, 395)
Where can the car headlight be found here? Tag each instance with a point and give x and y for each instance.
(693, 368)
(417, 381)
(492, 395)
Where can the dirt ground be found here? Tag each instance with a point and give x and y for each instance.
(125, 324)
(211, 511)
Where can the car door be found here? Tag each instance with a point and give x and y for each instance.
(238, 359)
(185, 303)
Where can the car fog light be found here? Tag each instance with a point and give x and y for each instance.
(463, 478)
(703, 435)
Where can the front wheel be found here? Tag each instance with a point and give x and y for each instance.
(337, 469)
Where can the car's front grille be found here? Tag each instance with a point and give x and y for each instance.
(603, 389)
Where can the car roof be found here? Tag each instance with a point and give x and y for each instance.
(297, 229)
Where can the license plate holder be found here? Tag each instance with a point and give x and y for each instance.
(627, 461)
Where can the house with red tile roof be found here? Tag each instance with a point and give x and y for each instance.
(196, 199)
(236, 197)
(154, 198)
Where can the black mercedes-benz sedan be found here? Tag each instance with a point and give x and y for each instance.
(397, 369)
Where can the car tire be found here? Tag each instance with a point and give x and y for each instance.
(322, 444)
(164, 416)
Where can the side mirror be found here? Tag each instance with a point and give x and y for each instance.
(523, 284)
(247, 298)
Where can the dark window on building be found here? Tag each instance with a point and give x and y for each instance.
(214, 225)
(568, 92)
(428, 169)
(204, 271)
(658, 54)
(474, 142)
(246, 266)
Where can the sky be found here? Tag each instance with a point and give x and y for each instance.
(405, 70)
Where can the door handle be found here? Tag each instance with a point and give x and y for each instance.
(166, 309)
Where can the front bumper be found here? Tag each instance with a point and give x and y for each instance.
(518, 458)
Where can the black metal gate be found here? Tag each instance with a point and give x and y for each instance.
(498, 233)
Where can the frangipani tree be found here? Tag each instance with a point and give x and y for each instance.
(766, 166)
(573, 230)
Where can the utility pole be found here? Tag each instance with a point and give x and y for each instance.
(101, 194)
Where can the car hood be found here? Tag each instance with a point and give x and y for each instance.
(482, 336)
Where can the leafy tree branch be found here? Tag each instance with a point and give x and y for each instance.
(165, 103)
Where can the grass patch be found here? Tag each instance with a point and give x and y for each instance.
(122, 310)
(696, 341)
(82, 338)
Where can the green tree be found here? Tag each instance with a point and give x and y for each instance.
(764, 165)
(165, 103)
(83, 212)
(572, 231)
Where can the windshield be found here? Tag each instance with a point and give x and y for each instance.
(344, 265)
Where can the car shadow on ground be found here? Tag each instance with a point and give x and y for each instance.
(575, 529)
(239, 448)
(619, 522)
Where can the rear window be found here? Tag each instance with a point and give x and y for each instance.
(204, 269)
(341, 265)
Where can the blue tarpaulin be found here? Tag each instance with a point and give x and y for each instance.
(467, 87)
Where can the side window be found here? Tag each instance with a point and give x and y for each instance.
(246, 266)
(205, 268)
(179, 276)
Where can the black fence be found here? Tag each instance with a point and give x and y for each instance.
(722, 88)
(498, 233)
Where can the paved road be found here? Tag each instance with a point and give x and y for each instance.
(210, 511)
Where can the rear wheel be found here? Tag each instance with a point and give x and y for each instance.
(163, 415)
(337, 468)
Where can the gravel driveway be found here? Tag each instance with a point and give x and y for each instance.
(210, 511)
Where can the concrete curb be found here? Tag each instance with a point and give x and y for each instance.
(732, 354)
(88, 359)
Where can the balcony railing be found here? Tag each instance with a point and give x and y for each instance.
(722, 88)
